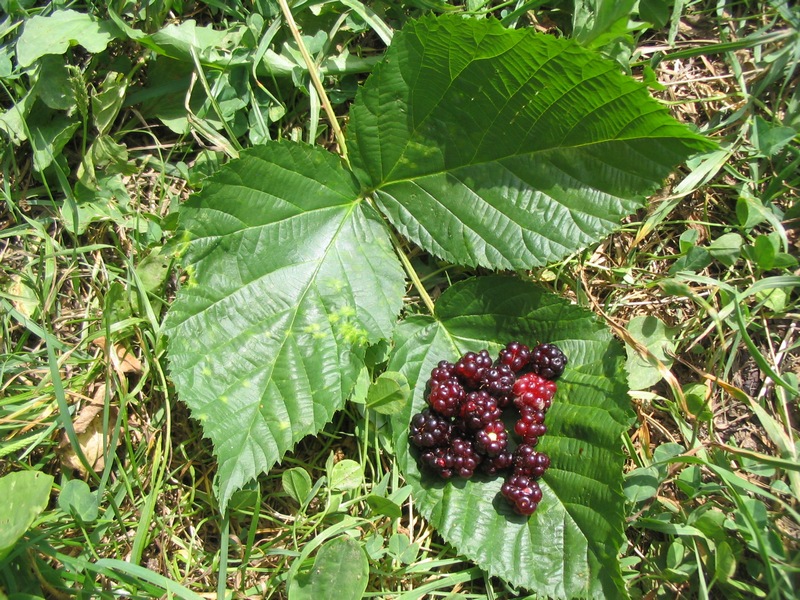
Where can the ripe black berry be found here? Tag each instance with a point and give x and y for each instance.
(429, 430)
(530, 426)
(463, 429)
(492, 439)
(498, 381)
(493, 465)
(529, 462)
(446, 397)
(465, 458)
(523, 493)
(471, 366)
(478, 410)
(515, 355)
(547, 360)
(442, 372)
(438, 460)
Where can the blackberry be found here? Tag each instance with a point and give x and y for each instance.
(533, 391)
(523, 493)
(493, 465)
(498, 381)
(429, 430)
(446, 397)
(442, 372)
(438, 460)
(465, 458)
(492, 439)
(548, 361)
(530, 425)
(478, 410)
(529, 462)
(471, 366)
(504, 400)
(515, 355)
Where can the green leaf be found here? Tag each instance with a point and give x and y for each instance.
(291, 277)
(49, 133)
(55, 33)
(389, 393)
(726, 248)
(696, 259)
(770, 139)
(574, 536)
(107, 103)
(642, 484)
(346, 474)
(764, 251)
(78, 500)
(25, 494)
(384, 506)
(340, 570)
(297, 483)
(659, 339)
(597, 22)
(53, 85)
(402, 548)
(655, 11)
(506, 148)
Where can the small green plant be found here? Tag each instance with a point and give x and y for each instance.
(487, 148)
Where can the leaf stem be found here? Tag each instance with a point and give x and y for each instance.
(314, 74)
(415, 280)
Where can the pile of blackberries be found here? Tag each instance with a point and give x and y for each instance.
(463, 431)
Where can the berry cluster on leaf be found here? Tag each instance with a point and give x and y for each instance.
(462, 430)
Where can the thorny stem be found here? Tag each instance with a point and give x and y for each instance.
(314, 74)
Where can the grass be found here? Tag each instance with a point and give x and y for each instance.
(92, 177)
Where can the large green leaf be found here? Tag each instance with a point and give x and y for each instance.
(290, 278)
(504, 148)
(568, 547)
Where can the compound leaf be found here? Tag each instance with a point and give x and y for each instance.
(507, 148)
(291, 277)
(568, 547)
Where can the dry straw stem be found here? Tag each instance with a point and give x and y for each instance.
(314, 74)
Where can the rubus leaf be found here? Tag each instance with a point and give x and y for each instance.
(505, 148)
(568, 547)
(291, 276)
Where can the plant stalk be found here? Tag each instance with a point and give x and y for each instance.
(415, 280)
(315, 80)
